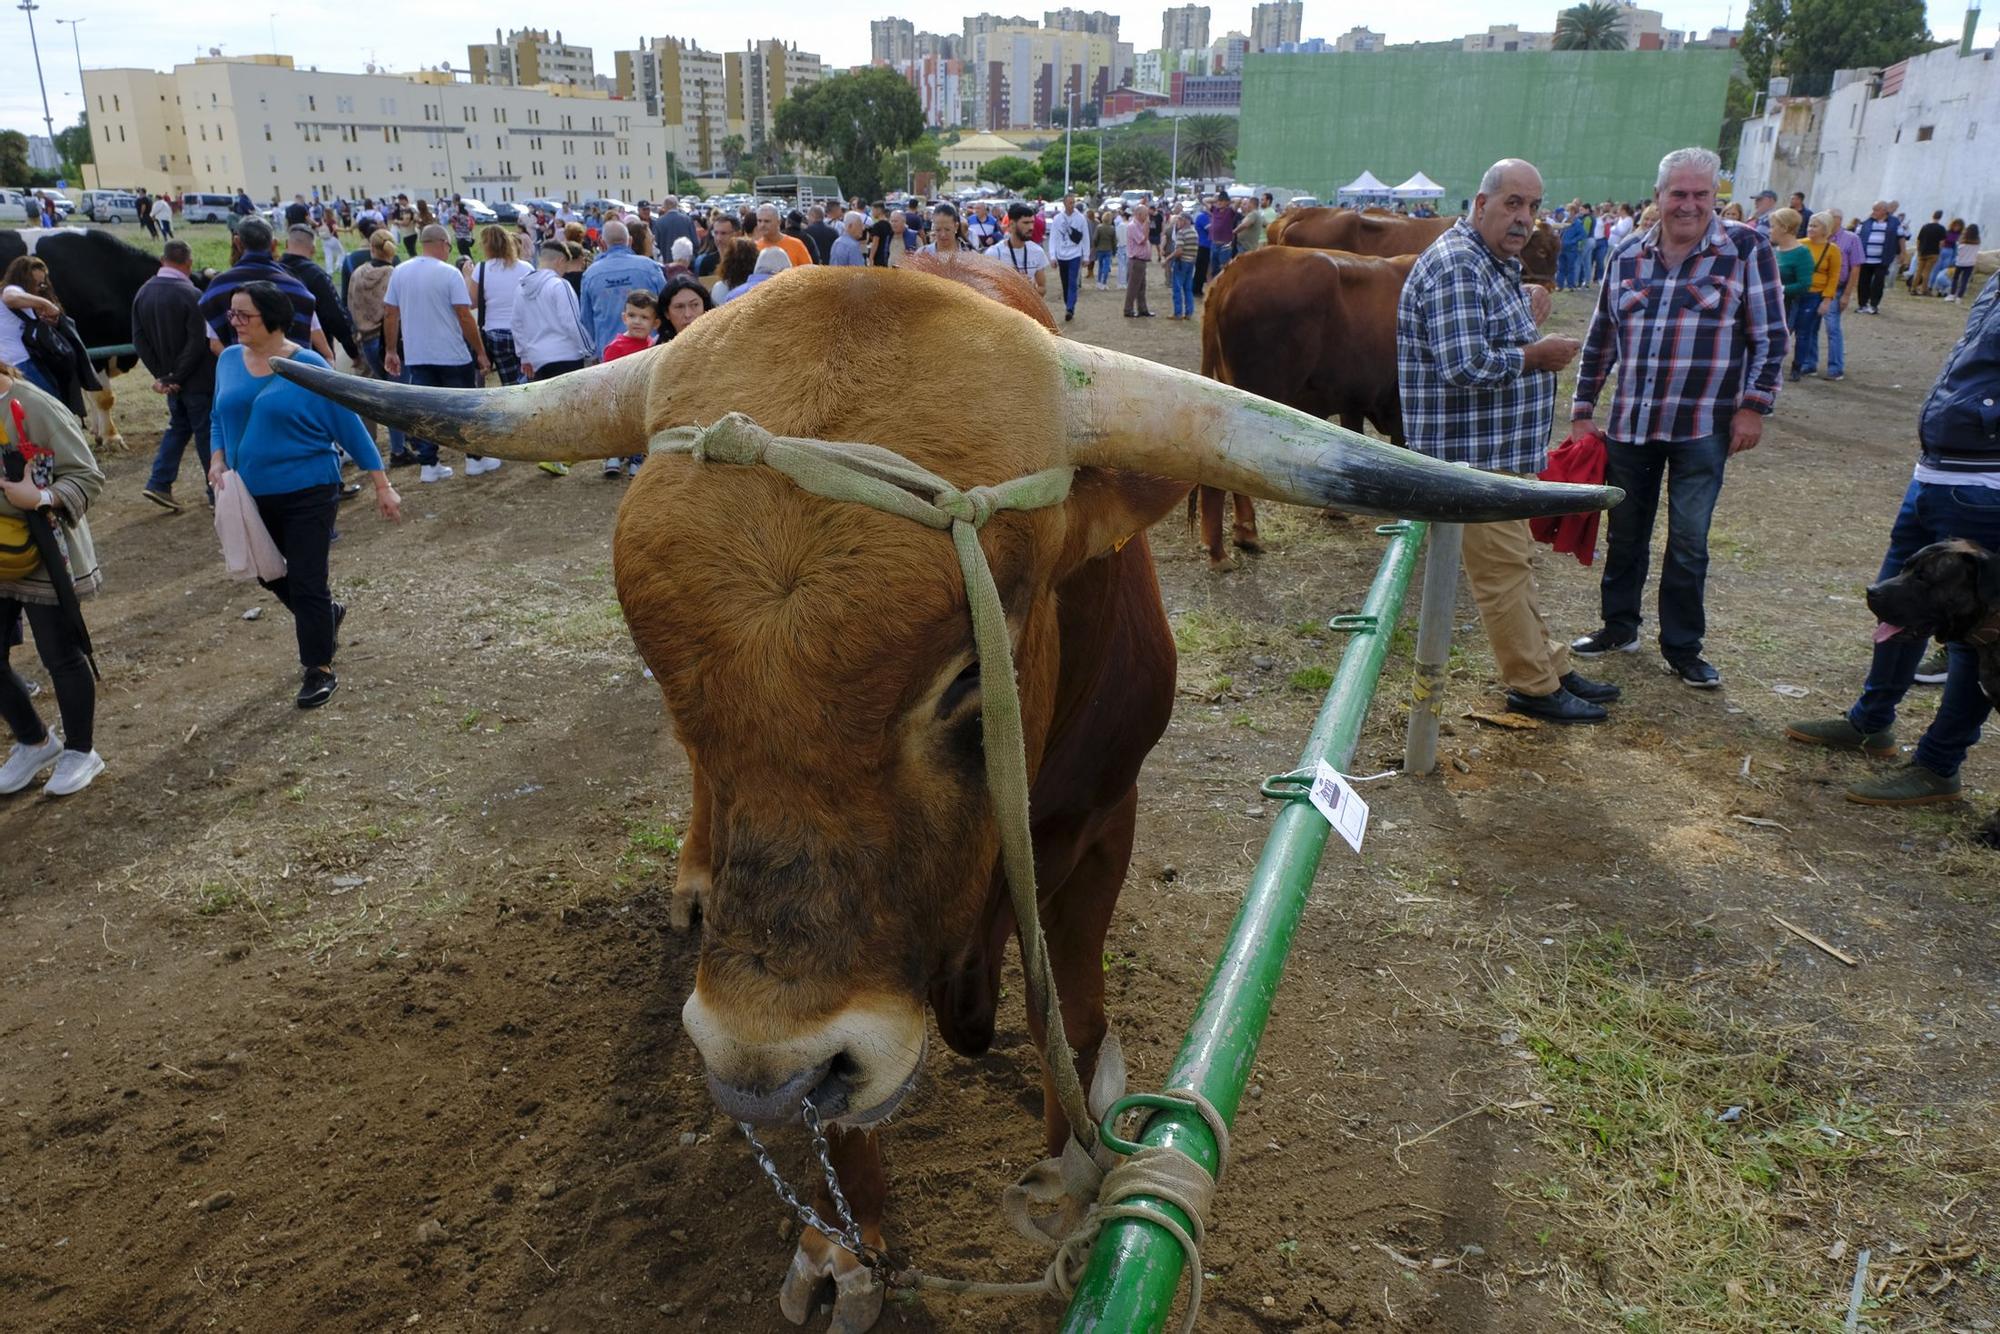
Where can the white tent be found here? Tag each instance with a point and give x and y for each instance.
(1419, 186)
(1364, 186)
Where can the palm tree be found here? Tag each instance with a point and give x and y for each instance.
(1207, 145)
(1590, 26)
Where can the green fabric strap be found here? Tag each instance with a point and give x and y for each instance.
(884, 480)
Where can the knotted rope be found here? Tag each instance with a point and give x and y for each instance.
(884, 480)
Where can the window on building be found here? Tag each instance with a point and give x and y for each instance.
(312, 102)
(218, 133)
(121, 134)
(1924, 133)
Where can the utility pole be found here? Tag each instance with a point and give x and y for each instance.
(78, 48)
(1174, 166)
(29, 7)
(1069, 129)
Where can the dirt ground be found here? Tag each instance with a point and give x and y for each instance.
(368, 1019)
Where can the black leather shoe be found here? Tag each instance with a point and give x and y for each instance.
(1696, 674)
(1596, 692)
(1557, 707)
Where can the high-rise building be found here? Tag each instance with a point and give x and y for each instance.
(1508, 37)
(1359, 39)
(1226, 56)
(1082, 20)
(1019, 75)
(1184, 28)
(891, 41)
(937, 81)
(760, 77)
(978, 25)
(260, 125)
(1276, 23)
(686, 87)
(530, 56)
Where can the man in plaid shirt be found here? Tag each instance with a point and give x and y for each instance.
(1693, 315)
(1478, 386)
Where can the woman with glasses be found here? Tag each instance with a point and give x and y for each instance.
(278, 438)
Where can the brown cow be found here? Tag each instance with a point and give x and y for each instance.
(1370, 234)
(816, 663)
(1312, 329)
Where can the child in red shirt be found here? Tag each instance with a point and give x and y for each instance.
(642, 330)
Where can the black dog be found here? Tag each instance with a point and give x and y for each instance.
(1949, 591)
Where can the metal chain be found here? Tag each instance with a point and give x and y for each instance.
(847, 1232)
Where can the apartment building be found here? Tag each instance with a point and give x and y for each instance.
(1082, 20)
(760, 77)
(1274, 24)
(258, 124)
(1184, 28)
(530, 56)
(937, 80)
(1019, 75)
(1508, 37)
(1226, 56)
(687, 88)
(891, 41)
(1359, 39)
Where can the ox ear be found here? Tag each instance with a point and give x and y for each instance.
(1106, 509)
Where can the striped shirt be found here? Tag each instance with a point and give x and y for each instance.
(1696, 343)
(1461, 323)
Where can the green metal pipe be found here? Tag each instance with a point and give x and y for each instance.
(1135, 1268)
(115, 350)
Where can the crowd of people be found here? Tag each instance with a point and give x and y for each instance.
(427, 296)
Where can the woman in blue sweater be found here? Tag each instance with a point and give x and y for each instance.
(279, 439)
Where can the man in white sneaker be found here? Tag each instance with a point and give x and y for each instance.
(429, 337)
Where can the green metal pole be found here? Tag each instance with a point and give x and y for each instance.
(1135, 1267)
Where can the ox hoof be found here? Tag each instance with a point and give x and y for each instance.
(857, 1296)
(685, 901)
(1223, 564)
(1250, 546)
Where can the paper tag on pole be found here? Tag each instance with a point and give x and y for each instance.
(1342, 806)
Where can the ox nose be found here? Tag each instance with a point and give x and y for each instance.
(856, 1066)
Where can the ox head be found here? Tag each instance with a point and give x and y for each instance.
(816, 658)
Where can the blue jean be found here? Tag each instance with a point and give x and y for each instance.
(1600, 254)
(1836, 343)
(1072, 280)
(1180, 281)
(1805, 333)
(1219, 257)
(187, 419)
(1941, 272)
(1104, 267)
(462, 376)
(1932, 513)
(372, 349)
(1692, 470)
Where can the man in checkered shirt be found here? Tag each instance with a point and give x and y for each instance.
(1693, 316)
(1478, 386)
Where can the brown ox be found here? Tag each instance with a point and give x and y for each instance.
(1312, 329)
(1392, 235)
(816, 662)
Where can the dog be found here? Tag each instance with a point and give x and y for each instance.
(1949, 591)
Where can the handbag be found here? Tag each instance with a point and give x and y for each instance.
(19, 556)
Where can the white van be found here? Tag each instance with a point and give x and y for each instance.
(206, 208)
(110, 206)
(14, 206)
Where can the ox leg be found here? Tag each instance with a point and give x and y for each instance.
(857, 1295)
(1211, 501)
(691, 874)
(97, 405)
(1076, 921)
(1244, 534)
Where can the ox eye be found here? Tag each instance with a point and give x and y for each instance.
(961, 689)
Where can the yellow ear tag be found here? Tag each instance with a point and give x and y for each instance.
(1119, 545)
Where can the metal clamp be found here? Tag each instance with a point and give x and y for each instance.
(1396, 529)
(1131, 1102)
(1355, 622)
(1294, 786)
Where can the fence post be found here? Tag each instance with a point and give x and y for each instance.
(1434, 620)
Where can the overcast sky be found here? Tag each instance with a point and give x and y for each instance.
(149, 34)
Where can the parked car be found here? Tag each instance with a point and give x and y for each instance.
(1300, 201)
(110, 206)
(508, 213)
(206, 208)
(14, 205)
(482, 213)
(607, 204)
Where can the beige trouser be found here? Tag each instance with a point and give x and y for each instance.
(1529, 659)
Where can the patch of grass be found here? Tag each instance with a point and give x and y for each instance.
(469, 720)
(1207, 634)
(212, 900)
(649, 846)
(1315, 680)
(1670, 1218)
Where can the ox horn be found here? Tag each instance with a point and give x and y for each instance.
(595, 413)
(1126, 412)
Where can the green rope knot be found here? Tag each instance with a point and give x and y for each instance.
(974, 506)
(734, 439)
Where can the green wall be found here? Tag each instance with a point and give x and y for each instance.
(1595, 122)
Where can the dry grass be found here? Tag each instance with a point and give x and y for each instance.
(1671, 1218)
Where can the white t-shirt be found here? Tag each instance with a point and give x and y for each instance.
(1028, 261)
(425, 292)
(500, 281)
(1621, 229)
(13, 350)
(162, 210)
(1068, 233)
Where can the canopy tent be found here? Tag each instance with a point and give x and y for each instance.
(1364, 186)
(1419, 186)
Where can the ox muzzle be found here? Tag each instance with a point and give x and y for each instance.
(857, 1066)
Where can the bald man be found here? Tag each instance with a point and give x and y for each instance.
(609, 279)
